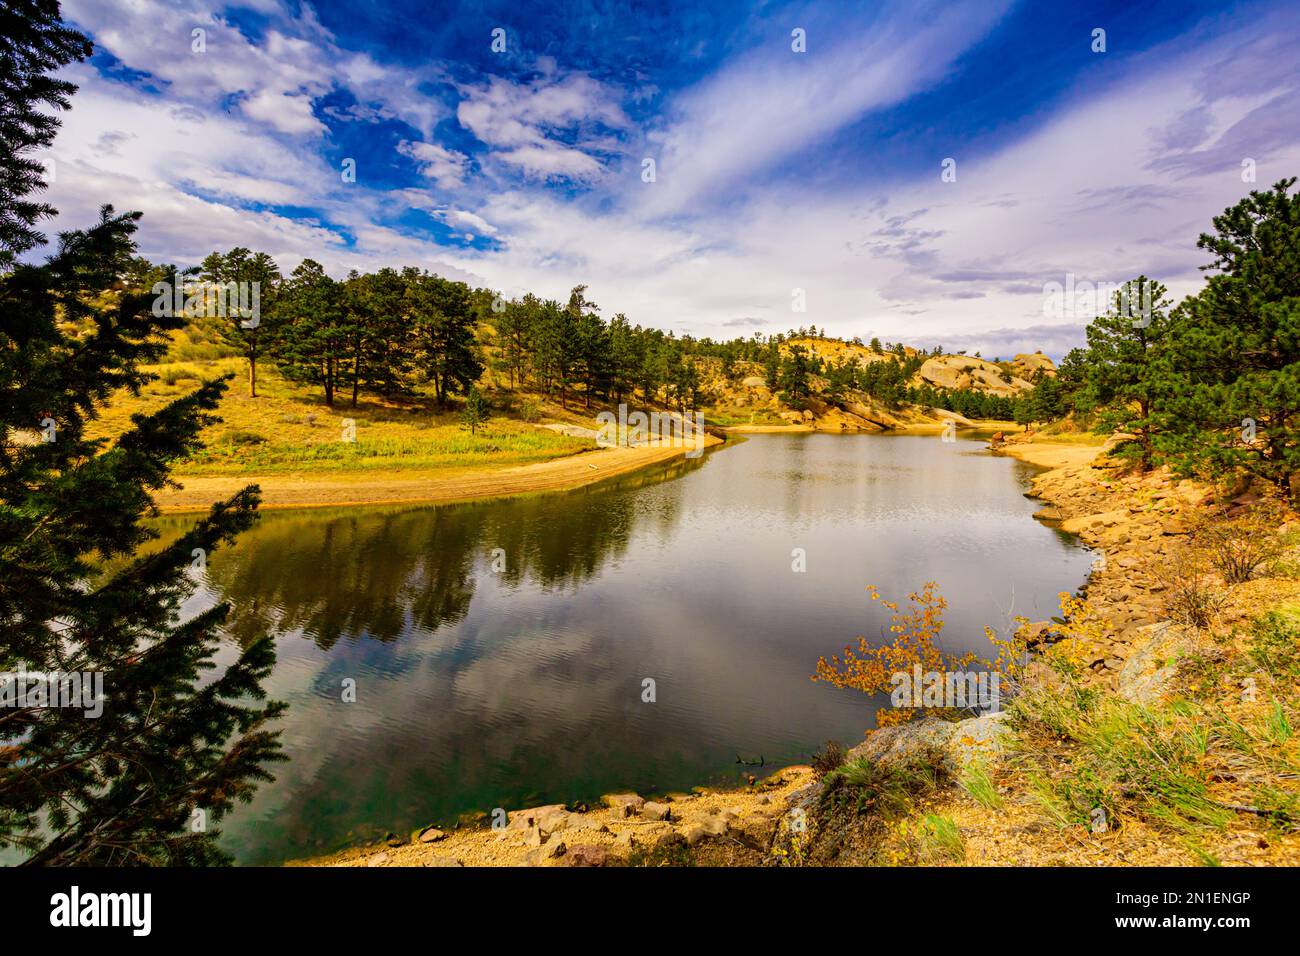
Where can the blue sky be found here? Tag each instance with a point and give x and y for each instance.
(781, 175)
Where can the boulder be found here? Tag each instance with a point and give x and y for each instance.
(1039, 632)
(957, 743)
(1152, 667)
(548, 819)
(1104, 519)
(717, 825)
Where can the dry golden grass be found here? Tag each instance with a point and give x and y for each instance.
(288, 427)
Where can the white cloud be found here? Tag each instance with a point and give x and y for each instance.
(522, 122)
(444, 166)
(552, 161)
(297, 61)
(287, 112)
(1108, 185)
(925, 260)
(194, 196)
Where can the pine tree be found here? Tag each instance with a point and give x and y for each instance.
(794, 376)
(625, 357)
(1235, 361)
(514, 327)
(255, 276)
(33, 43)
(378, 330)
(120, 788)
(443, 319)
(310, 335)
(591, 346)
(1048, 403)
(476, 411)
(130, 785)
(1126, 349)
(772, 366)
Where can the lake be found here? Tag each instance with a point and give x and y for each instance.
(499, 650)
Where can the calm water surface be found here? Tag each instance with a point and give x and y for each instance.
(479, 688)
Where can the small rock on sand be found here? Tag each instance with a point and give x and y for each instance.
(587, 855)
(656, 811)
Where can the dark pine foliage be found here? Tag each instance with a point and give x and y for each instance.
(84, 584)
(33, 42)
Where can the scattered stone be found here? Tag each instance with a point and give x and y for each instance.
(1038, 632)
(656, 811)
(584, 854)
(545, 817)
(431, 835)
(715, 826)
(379, 859)
(443, 861)
(623, 804)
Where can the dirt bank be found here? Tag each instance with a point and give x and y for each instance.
(321, 490)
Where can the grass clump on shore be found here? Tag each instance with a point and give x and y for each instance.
(1190, 765)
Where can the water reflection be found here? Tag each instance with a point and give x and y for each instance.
(479, 688)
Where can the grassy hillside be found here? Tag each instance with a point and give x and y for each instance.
(288, 428)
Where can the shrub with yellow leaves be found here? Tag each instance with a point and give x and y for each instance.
(915, 642)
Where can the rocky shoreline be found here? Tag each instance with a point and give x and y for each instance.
(711, 827)
(1135, 522)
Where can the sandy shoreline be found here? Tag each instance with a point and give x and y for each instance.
(1050, 454)
(347, 489)
(447, 485)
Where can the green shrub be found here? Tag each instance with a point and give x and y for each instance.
(238, 436)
